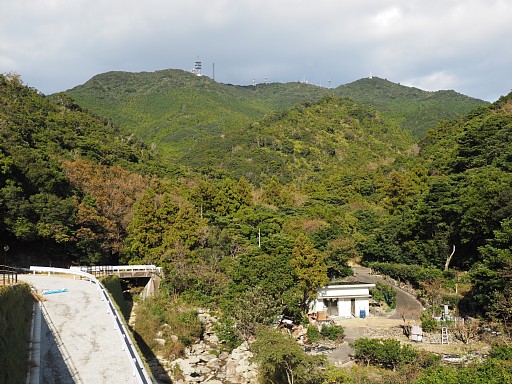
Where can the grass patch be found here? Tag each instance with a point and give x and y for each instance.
(165, 318)
(16, 305)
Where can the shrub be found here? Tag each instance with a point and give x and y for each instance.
(313, 333)
(386, 353)
(427, 322)
(332, 332)
(501, 352)
(282, 360)
(384, 292)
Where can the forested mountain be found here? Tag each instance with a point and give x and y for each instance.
(270, 209)
(174, 109)
(312, 142)
(413, 109)
(58, 168)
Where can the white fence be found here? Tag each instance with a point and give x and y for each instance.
(119, 268)
(139, 370)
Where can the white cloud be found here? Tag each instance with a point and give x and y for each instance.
(433, 81)
(56, 44)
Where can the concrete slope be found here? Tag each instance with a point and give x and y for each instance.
(78, 340)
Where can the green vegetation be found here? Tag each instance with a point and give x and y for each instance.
(332, 332)
(265, 213)
(113, 285)
(282, 360)
(384, 293)
(168, 319)
(175, 109)
(16, 305)
(384, 353)
(414, 110)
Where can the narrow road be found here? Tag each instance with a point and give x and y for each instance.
(78, 341)
(406, 304)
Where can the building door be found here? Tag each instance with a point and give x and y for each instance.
(332, 307)
(353, 307)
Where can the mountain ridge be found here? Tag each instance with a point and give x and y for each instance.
(174, 108)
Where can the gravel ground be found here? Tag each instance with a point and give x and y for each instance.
(92, 349)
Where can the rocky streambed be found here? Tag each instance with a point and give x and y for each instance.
(208, 362)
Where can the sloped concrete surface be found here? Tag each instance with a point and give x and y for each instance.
(79, 343)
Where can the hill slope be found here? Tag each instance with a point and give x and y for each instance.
(413, 109)
(174, 108)
(311, 141)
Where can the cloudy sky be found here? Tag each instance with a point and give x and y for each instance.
(465, 45)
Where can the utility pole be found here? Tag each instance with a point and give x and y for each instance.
(6, 248)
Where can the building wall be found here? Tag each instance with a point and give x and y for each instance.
(344, 290)
(344, 295)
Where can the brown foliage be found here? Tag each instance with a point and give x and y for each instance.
(105, 206)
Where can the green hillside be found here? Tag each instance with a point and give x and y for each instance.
(413, 109)
(312, 141)
(269, 210)
(174, 108)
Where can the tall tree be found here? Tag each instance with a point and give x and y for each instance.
(310, 268)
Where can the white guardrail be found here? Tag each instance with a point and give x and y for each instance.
(119, 268)
(139, 370)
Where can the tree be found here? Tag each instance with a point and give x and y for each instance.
(386, 353)
(282, 360)
(310, 268)
(252, 309)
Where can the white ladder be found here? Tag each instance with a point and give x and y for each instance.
(444, 335)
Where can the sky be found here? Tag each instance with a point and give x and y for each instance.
(464, 45)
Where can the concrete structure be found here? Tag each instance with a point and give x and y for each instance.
(123, 271)
(84, 339)
(343, 300)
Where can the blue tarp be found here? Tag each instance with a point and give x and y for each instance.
(50, 292)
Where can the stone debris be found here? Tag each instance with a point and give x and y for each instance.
(206, 362)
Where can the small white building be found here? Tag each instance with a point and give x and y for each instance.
(343, 300)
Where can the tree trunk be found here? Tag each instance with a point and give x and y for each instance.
(447, 264)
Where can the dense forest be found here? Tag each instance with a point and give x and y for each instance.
(175, 109)
(266, 212)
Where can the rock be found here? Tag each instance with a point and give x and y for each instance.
(231, 368)
(160, 341)
(213, 339)
(206, 357)
(214, 363)
(193, 359)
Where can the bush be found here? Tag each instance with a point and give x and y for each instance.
(313, 333)
(414, 274)
(226, 331)
(427, 322)
(384, 292)
(282, 360)
(386, 353)
(332, 332)
(501, 352)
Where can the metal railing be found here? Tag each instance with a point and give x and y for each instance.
(139, 370)
(9, 274)
(105, 270)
